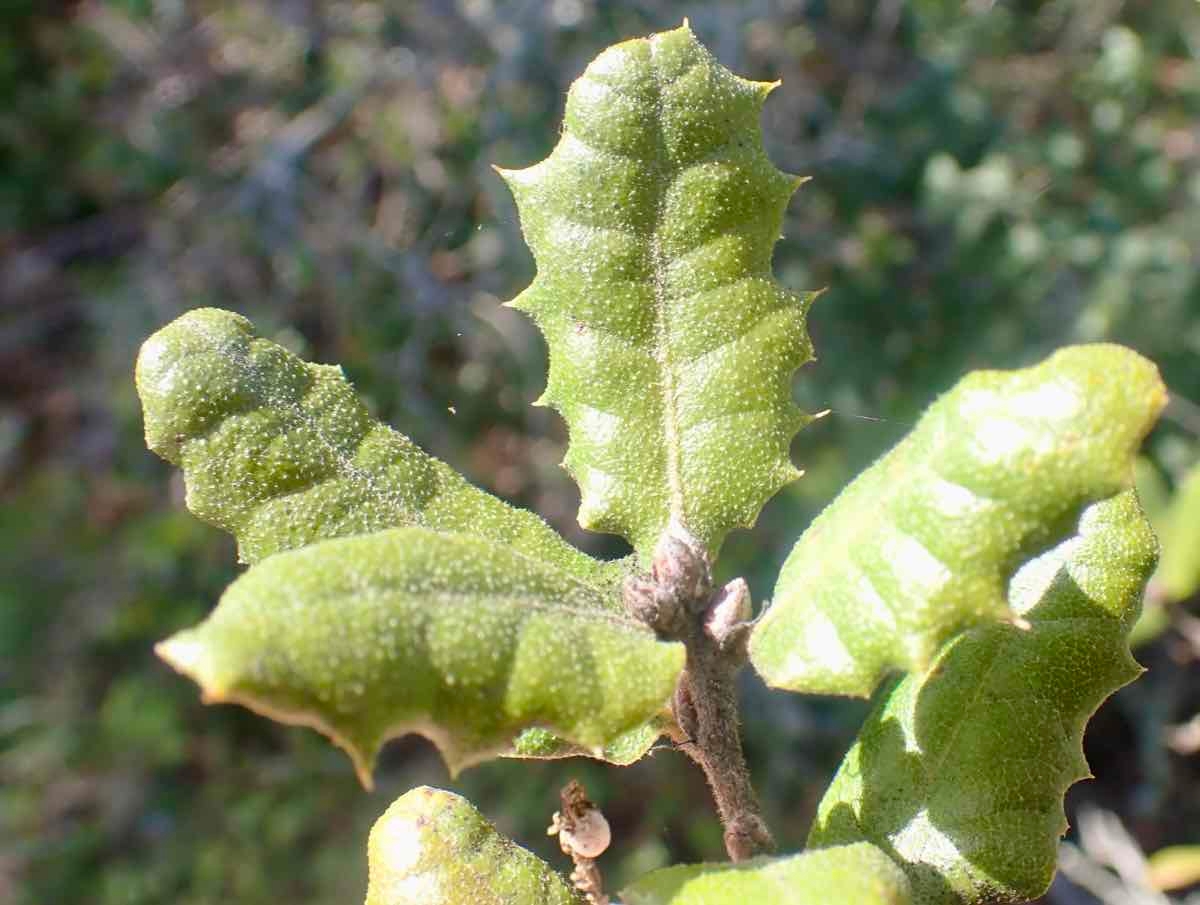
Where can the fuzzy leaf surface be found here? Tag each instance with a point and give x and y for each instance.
(960, 771)
(282, 453)
(412, 630)
(625, 749)
(433, 848)
(859, 874)
(672, 347)
(922, 544)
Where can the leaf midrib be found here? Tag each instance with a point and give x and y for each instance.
(347, 467)
(534, 603)
(658, 263)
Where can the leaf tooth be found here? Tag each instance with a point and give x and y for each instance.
(605, 505)
(797, 182)
(555, 394)
(600, 511)
(676, 52)
(188, 655)
(761, 89)
(535, 300)
(518, 178)
(780, 476)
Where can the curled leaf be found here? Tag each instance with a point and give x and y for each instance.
(282, 453)
(412, 630)
(922, 544)
(860, 874)
(960, 771)
(671, 345)
(433, 848)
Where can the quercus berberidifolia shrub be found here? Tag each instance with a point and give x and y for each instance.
(979, 580)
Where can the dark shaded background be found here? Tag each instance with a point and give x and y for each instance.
(991, 180)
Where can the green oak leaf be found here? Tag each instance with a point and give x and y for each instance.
(433, 848)
(860, 874)
(672, 347)
(282, 453)
(960, 771)
(922, 544)
(412, 630)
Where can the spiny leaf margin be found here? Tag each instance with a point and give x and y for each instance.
(922, 544)
(671, 345)
(432, 847)
(411, 630)
(960, 771)
(861, 874)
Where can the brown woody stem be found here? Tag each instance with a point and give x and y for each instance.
(678, 601)
(706, 701)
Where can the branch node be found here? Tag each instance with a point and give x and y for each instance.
(677, 600)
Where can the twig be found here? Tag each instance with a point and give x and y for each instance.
(678, 601)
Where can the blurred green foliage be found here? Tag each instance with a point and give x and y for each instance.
(991, 180)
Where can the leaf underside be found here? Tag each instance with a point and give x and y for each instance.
(860, 874)
(960, 771)
(623, 750)
(672, 347)
(433, 848)
(411, 630)
(921, 545)
(282, 453)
